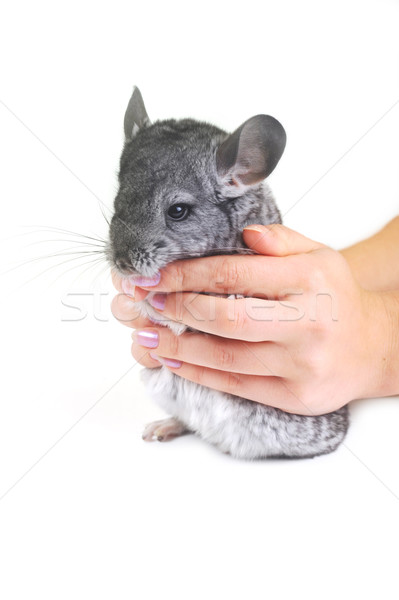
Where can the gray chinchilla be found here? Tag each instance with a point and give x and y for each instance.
(187, 189)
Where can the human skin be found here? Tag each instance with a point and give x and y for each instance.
(316, 328)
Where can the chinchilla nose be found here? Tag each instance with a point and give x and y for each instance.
(123, 264)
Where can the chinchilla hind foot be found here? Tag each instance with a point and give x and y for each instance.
(164, 430)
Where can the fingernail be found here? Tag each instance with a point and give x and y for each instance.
(145, 281)
(258, 228)
(169, 362)
(148, 339)
(158, 301)
(128, 287)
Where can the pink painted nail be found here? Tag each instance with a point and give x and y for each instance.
(148, 339)
(169, 362)
(145, 281)
(158, 301)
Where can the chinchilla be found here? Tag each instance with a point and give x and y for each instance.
(187, 189)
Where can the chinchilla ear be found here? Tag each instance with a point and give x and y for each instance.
(250, 153)
(135, 116)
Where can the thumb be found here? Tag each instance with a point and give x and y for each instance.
(277, 240)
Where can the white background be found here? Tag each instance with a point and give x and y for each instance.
(88, 510)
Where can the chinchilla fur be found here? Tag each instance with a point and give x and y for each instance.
(187, 189)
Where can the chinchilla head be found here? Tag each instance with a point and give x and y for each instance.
(187, 188)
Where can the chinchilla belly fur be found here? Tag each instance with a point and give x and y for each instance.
(240, 427)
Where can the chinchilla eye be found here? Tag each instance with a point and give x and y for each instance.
(178, 212)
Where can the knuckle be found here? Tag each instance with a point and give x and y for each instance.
(315, 363)
(176, 302)
(316, 278)
(178, 275)
(223, 357)
(279, 238)
(228, 273)
(320, 326)
(200, 375)
(233, 383)
(239, 323)
(276, 230)
(174, 345)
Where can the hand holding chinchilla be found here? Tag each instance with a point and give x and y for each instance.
(187, 190)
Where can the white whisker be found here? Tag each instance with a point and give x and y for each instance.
(54, 267)
(79, 242)
(48, 229)
(80, 253)
(92, 264)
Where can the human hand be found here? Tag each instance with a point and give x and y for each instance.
(306, 338)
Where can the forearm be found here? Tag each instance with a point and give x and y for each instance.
(375, 261)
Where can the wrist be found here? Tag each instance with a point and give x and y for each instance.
(383, 341)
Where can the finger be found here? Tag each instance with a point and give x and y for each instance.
(272, 391)
(257, 358)
(253, 275)
(126, 311)
(278, 240)
(143, 357)
(249, 319)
